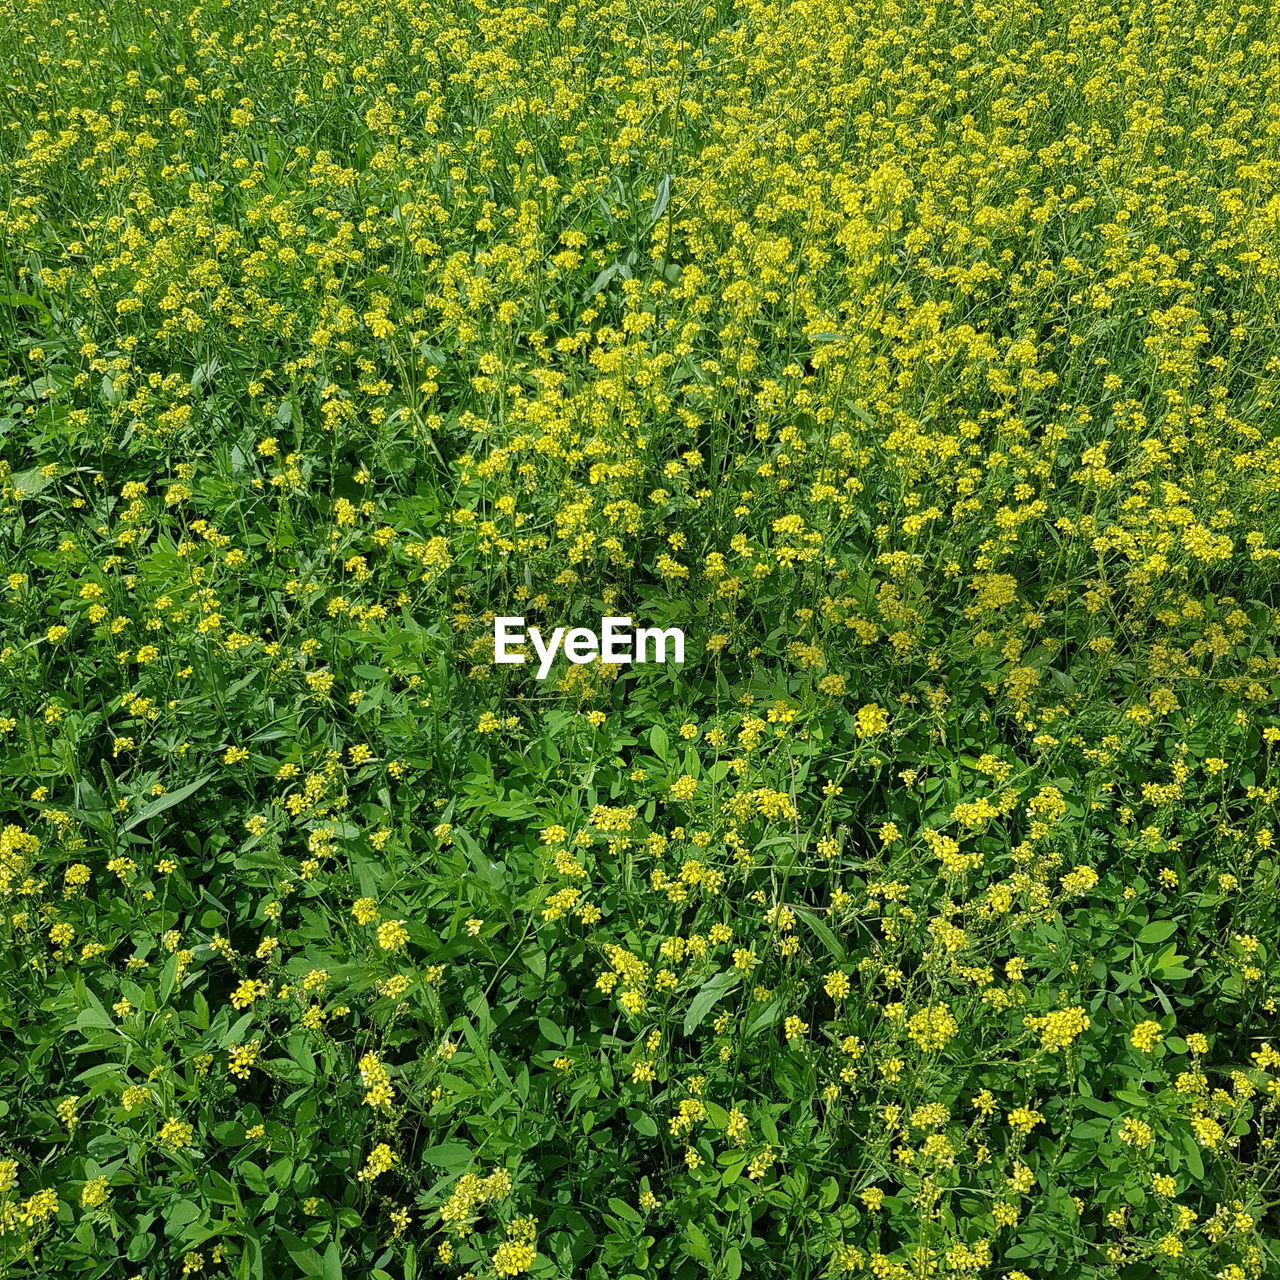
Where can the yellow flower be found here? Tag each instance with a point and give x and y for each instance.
(392, 935)
(176, 1134)
(932, 1028)
(1024, 1119)
(1146, 1035)
(684, 788)
(1060, 1028)
(381, 1158)
(377, 1082)
(94, 1193)
(250, 990)
(241, 1058)
(872, 719)
(1135, 1133)
(44, 1204)
(513, 1257)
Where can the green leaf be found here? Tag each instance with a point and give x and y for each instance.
(1191, 1150)
(712, 990)
(235, 1033)
(643, 1123)
(141, 1244)
(1097, 1105)
(662, 200)
(696, 1243)
(161, 803)
(179, 1215)
(716, 1114)
(624, 1210)
(452, 1157)
(766, 1017)
(289, 1070)
(168, 978)
(602, 280)
(31, 482)
(1157, 931)
(331, 1268)
(822, 931)
(297, 1048)
(303, 1255)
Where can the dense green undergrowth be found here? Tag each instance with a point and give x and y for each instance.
(918, 361)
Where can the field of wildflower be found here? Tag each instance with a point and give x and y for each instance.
(920, 360)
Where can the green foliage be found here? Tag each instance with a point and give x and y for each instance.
(917, 362)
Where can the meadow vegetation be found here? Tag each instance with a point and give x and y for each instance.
(919, 360)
